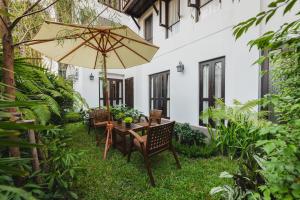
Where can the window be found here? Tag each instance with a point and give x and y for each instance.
(115, 92)
(267, 85)
(169, 16)
(212, 84)
(198, 4)
(149, 29)
(160, 92)
(62, 70)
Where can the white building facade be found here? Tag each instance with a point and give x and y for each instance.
(201, 41)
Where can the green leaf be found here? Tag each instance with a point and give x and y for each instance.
(270, 15)
(289, 6)
(18, 191)
(20, 126)
(260, 61)
(17, 143)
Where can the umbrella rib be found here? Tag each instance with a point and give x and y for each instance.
(96, 60)
(118, 56)
(107, 37)
(141, 42)
(75, 36)
(99, 47)
(133, 50)
(79, 26)
(118, 41)
(91, 45)
(70, 52)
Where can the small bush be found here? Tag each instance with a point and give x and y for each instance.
(194, 151)
(73, 117)
(184, 134)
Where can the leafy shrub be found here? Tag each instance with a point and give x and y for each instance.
(205, 151)
(73, 117)
(191, 142)
(236, 127)
(61, 166)
(184, 134)
(118, 110)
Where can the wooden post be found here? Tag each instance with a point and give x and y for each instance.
(109, 125)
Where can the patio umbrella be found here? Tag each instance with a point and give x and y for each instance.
(110, 47)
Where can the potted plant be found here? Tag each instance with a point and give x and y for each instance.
(119, 117)
(128, 121)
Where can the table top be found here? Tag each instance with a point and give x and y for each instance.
(123, 129)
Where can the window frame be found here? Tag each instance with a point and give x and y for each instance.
(166, 9)
(120, 101)
(210, 99)
(166, 99)
(145, 27)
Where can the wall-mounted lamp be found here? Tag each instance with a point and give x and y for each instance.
(92, 77)
(180, 67)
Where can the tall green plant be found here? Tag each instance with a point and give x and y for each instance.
(279, 158)
(236, 127)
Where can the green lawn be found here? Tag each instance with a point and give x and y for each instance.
(116, 179)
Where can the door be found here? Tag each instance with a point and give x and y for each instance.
(212, 85)
(115, 92)
(160, 92)
(129, 92)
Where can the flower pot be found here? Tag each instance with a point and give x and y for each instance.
(128, 125)
(119, 121)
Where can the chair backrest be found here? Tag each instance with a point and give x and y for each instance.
(155, 116)
(159, 137)
(100, 115)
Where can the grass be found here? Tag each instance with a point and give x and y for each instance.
(116, 179)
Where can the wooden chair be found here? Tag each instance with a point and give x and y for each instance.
(98, 118)
(154, 118)
(157, 140)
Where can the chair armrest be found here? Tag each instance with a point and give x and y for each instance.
(134, 134)
(141, 115)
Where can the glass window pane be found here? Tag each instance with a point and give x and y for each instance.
(101, 89)
(152, 104)
(205, 107)
(173, 12)
(168, 108)
(205, 81)
(168, 89)
(120, 89)
(218, 80)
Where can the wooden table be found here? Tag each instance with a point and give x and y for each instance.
(121, 136)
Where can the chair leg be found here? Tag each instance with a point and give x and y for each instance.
(148, 166)
(175, 156)
(89, 129)
(97, 137)
(130, 149)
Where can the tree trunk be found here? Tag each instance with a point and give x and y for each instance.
(8, 64)
(8, 68)
(34, 154)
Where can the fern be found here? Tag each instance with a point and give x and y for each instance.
(52, 104)
(42, 113)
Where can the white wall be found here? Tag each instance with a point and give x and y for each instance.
(211, 37)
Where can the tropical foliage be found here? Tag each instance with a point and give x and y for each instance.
(48, 100)
(275, 158)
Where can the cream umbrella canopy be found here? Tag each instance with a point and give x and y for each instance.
(110, 47)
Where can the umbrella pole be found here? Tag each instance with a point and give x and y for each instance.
(109, 126)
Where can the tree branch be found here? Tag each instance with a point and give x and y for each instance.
(28, 13)
(3, 22)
